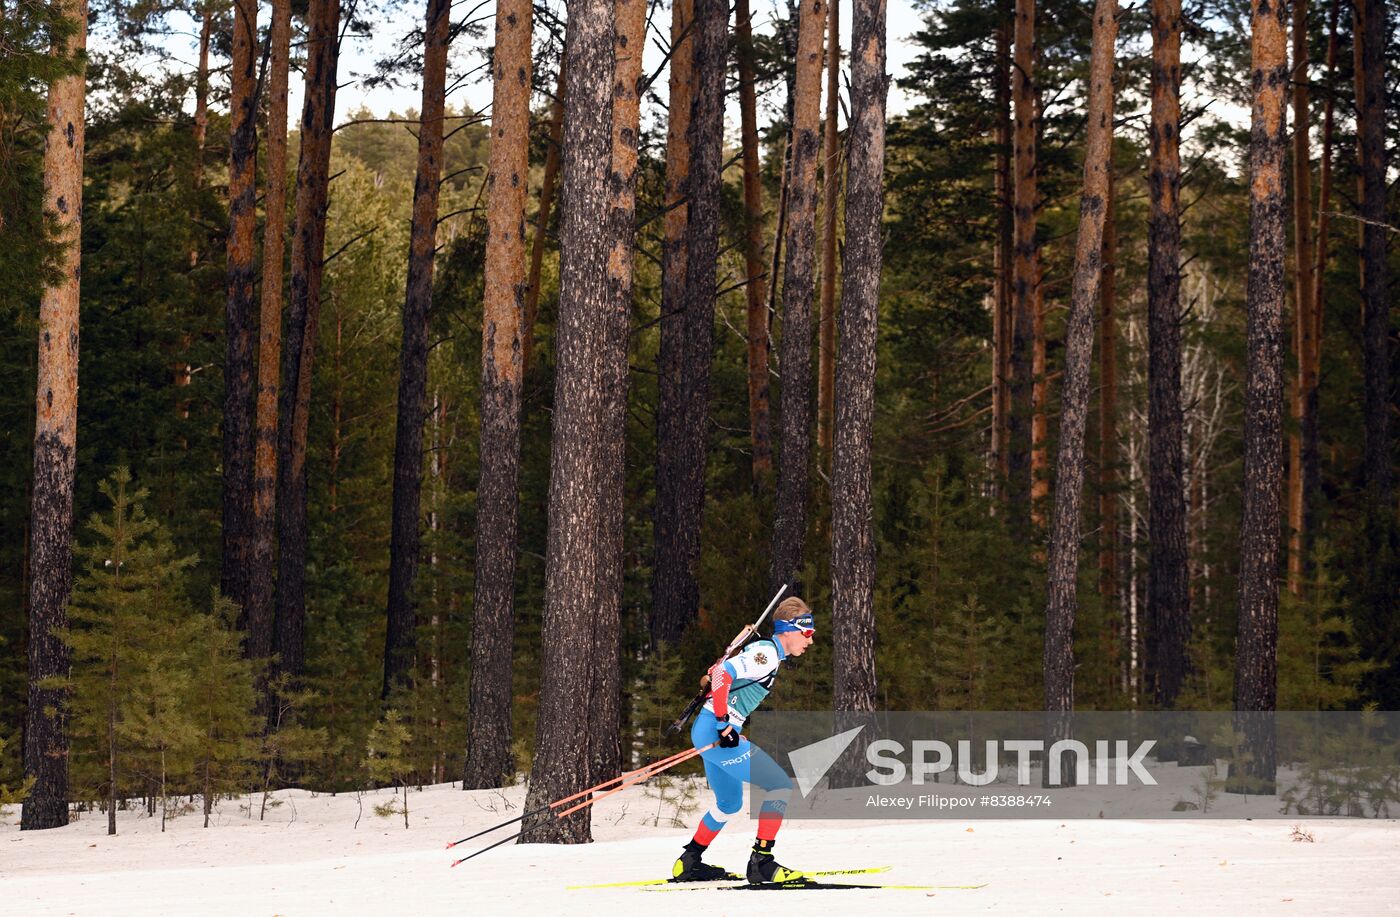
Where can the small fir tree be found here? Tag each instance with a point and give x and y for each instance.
(341, 688)
(389, 759)
(160, 721)
(659, 691)
(10, 797)
(970, 641)
(223, 703)
(1210, 678)
(288, 743)
(1319, 662)
(127, 681)
(954, 604)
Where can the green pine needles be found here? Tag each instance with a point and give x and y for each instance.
(161, 698)
(389, 759)
(9, 796)
(1319, 660)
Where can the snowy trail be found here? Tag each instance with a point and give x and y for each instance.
(307, 859)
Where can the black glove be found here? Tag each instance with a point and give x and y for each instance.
(728, 736)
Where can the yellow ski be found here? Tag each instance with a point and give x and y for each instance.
(728, 881)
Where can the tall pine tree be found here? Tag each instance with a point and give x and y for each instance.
(493, 607)
(576, 513)
(1256, 642)
(55, 444)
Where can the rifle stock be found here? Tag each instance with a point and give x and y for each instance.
(734, 646)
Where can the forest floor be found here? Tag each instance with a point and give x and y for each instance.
(308, 857)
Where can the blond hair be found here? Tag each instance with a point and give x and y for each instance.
(790, 608)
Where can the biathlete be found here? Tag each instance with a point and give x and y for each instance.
(737, 686)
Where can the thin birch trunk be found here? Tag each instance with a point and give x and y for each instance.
(201, 102)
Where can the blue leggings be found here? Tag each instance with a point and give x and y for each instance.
(728, 769)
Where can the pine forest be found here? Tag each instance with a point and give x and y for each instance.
(1045, 348)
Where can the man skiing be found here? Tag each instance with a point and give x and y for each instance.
(737, 686)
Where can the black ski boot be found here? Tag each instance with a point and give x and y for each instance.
(764, 869)
(689, 868)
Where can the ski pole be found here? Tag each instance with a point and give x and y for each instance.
(738, 641)
(504, 840)
(647, 776)
(643, 774)
(663, 763)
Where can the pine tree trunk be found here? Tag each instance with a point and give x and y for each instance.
(1375, 294)
(1303, 303)
(776, 259)
(831, 183)
(576, 512)
(303, 322)
(668, 613)
(489, 730)
(1168, 602)
(551, 176)
(1108, 426)
(238, 310)
(605, 707)
(1040, 421)
(680, 471)
(789, 46)
(1002, 314)
(1025, 268)
(1312, 476)
(795, 445)
(1379, 615)
(55, 443)
(852, 537)
(262, 571)
(1256, 680)
(1063, 569)
(756, 291)
(405, 541)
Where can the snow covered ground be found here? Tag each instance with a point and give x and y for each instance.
(308, 858)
